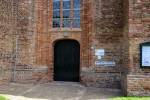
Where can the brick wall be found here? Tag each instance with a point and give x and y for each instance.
(106, 34)
(117, 26)
(17, 44)
(136, 80)
(6, 40)
(138, 84)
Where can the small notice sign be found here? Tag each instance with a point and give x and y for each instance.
(105, 63)
(99, 52)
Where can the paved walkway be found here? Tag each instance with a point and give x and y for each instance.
(56, 91)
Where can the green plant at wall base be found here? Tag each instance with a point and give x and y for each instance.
(3, 98)
(131, 98)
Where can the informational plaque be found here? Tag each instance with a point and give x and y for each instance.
(105, 63)
(99, 52)
(145, 55)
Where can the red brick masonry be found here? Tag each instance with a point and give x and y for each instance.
(27, 42)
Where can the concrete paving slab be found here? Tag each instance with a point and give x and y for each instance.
(56, 91)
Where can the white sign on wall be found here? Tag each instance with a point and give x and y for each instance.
(99, 52)
(105, 63)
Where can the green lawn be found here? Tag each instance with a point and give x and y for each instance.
(3, 98)
(131, 98)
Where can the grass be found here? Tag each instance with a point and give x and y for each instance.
(3, 98)
(131, 98)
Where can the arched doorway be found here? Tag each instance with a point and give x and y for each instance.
(66, 60)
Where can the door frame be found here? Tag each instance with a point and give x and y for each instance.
(53, 48)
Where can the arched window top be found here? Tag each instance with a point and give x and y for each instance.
(66, 13)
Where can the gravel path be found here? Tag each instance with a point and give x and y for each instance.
(56, 91)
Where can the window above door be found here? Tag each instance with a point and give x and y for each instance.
(66, 14)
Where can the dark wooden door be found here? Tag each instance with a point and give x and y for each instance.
(66, 60)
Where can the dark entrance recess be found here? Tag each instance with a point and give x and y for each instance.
(66, 60)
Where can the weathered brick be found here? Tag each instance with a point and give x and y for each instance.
(27, 41)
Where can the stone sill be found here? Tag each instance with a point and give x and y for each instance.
(66, 30)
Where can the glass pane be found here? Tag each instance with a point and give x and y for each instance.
(66, 4)
(56, 14)
(56, 4)
(66, 13)
(56, 23)
(76, 23)
(66, 23)
(76, 14)
(76, 4)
